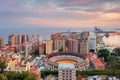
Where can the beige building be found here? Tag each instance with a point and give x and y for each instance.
(49, 46)
(26, 50)
(86, 34)
(66, 72)
(83, 46)
(11, 63)
(11, 39)
(22, 66)
(42, 49)
(59, 44)
(1, 42)
(72, 45)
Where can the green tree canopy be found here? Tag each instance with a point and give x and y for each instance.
(116, 51)
(92, 50)
(30, 78)
(3, 65)
(23, 75)
(113, 62)
(103, 53)
(11, 76)
(17, 75)
(111, 58)
(2, 77)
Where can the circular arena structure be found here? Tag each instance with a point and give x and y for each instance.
(80, 61)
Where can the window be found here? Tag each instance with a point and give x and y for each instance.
(66, 73)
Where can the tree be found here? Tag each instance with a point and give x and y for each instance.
(111, 58)
(11, 76)
(92, 50)
(113, 62)
(103, 53)
(30, 78)
(116, 51)
(117, 64)
(23, 75)
(48, 72)
(3, 65)
(2, 77)
(116, 73)
(94, 72)
(17, 75)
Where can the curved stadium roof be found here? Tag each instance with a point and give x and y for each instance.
(66, 53)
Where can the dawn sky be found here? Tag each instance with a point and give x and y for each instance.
(59, 13)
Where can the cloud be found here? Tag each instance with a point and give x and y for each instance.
(45, 10)
(31, 21)
(74, 2)
(60, 12)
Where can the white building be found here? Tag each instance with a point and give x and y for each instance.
(27, 49)
(92, 42)
(112, 40)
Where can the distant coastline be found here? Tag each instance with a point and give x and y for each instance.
(45, 32)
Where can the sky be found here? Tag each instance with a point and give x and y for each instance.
(59, 13)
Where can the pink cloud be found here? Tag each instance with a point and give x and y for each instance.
(62, 23)
(47, 10)
(67, 23)
(78, 1)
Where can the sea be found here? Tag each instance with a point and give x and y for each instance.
(44, 32)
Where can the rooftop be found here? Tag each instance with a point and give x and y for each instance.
(66, 53)
(66, 66)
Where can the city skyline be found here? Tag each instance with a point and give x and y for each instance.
(59, 14)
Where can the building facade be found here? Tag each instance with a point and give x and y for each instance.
(42, 49)
(20, 39)
(83, 48)
(66, 72)
(49, 46)
(72, 45)
(1, 42)
(59, 44)
(92, 42)
(12, 39)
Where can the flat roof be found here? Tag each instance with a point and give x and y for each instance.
(66, 66)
